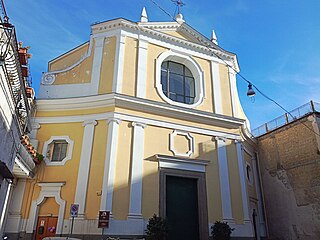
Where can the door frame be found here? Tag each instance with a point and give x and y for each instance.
(202, 196)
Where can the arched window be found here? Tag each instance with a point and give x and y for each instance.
(177, 82)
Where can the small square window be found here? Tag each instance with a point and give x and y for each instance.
(58, 150)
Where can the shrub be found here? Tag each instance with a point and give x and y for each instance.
(221, 231)
(156, 228)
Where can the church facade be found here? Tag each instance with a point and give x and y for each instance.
(142, 119)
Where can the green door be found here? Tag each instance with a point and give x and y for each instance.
(182, 208)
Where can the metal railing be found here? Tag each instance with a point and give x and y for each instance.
(297, 113)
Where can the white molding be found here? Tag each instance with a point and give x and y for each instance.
(97, 63)
(243, 185)
(190, 143)
(216, 87)
(142, 69)
(233, 92)
(118, 63)
(224, 180)
(194, 165)
(49, 77)
(139, 105)
(84, 165)
(68, 155)
(47, 190)
(135, 207)
(110, 164)
(195, 69)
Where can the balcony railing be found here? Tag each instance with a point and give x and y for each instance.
(310, 107)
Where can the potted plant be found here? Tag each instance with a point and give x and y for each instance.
(221, 231)
(38, 158)
(156, 228)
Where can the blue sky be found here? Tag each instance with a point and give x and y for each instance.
(276, 41)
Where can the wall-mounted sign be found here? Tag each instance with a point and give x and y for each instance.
(103, 219)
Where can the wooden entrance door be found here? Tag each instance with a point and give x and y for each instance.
(182, 208)
(46, 227)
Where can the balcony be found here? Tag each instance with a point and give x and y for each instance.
(24, 166)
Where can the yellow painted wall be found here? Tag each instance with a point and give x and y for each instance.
(129, 80)
(68, 58)
(251, 186)
(156, 142)
(205, 149)
(121, 194)
(225, 90)
(96, 170)
(74, 112)
(235, 186)
(78, 74)
(153, 53)
(67, 173)
(207, 104)
(49, 207)
(107, 66)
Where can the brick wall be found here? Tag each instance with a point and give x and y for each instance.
(290, 168)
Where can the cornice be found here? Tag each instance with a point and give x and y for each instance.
(152, 29)
(141, 105)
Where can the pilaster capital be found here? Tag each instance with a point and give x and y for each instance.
(115, 120)
(89, 122)
(139, 124)
(35, 126)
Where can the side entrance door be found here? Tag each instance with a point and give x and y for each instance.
(182, 208)
(46, 227)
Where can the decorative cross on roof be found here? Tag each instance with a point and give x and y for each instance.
(179, 4)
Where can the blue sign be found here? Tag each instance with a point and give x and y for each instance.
(74, 210)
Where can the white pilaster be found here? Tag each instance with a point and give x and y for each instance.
(217, 100)
(244, 190)
(142, 69)
(224, 180)
(33, 135)
(118, 65)
(233, 92)
(84, 166)
(97, 62)
(136, 170)
(110, 164)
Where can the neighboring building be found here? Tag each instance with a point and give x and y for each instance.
(289, 155)
(143, 119)
(16, 103)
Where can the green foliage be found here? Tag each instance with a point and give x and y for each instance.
(221, 231)
(39, 156)
(156, 228)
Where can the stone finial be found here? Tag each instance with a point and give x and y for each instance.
(144, 16)
(214, 37)
(179, 18)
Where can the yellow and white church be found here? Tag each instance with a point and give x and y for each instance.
(142, 119)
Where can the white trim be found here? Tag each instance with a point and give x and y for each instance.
(96, 64)
(84, 165)
(233, 91)
(194, 165)
(142, 68)
(47, 190)
(151, 122)
(139, 104)
(244, 189)
(68, 155)
(216, 87)
(110, 164)
(118, 63)
(190, 143)
(195, 69)
(224, 180)
(135, 207)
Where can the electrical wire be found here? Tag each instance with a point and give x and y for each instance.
(239, 74)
